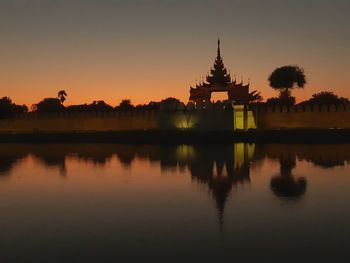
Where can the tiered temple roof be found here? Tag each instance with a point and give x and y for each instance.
(219, 80)
(219, 74)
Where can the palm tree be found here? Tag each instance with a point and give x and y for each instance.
(61, 95)
(286, 78)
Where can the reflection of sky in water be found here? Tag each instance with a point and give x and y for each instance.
(100, 202)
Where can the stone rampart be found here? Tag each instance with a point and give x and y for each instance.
(302, 117)
(201, 117)
(168, 118)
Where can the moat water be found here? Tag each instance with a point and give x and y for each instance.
(176, 203)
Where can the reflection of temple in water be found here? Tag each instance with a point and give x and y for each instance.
(221, 168)
(218, 168)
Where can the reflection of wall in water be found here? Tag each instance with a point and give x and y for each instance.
(323, 155)
(8, 160)
(326, 155)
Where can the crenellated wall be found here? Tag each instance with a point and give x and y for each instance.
(76, 122)
(301, 117)
(201, 117)
(119, 121)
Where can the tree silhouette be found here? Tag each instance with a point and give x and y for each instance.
(100, 105)
(8, 109)
(326, 97)
(94, 106)
(125, 104)
(61, 95)
(153, 105)
(285, 185)
(170, 100)
(286, 78)
(290, 100)
(48, 105)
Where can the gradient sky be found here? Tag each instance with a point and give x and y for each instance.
(151, 49)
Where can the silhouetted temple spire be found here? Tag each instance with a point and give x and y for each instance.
(219, 75)
(219, 52)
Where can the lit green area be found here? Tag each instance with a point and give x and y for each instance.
(238, 115)
(250, 150)
(239, 155)
(243, 152)
(251, 120)
(184, 152)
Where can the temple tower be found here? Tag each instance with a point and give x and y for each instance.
(219, 80)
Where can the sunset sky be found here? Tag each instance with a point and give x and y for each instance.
(152, 49)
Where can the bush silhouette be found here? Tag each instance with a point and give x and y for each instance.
(48, 105)
(125, 105)
(327, 98)
(8, 109)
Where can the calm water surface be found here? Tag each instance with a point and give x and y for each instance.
(181, 203)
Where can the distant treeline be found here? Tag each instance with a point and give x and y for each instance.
(55, 105)
(321, 98)
(8, 109)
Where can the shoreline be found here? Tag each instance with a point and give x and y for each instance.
(184, 136)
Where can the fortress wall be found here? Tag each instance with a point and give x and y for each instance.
(303, 117)
(89, 122)
(197, 119)
(201, 118)
(119, 121)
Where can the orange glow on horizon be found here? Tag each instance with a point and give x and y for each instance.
(112, 89)
(144, 77)
(149, 50)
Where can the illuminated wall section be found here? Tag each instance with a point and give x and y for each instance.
(251, 120)
(238, 115)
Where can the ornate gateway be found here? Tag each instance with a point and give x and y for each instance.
(220, 81)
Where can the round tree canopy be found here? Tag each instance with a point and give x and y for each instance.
(286, 77)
